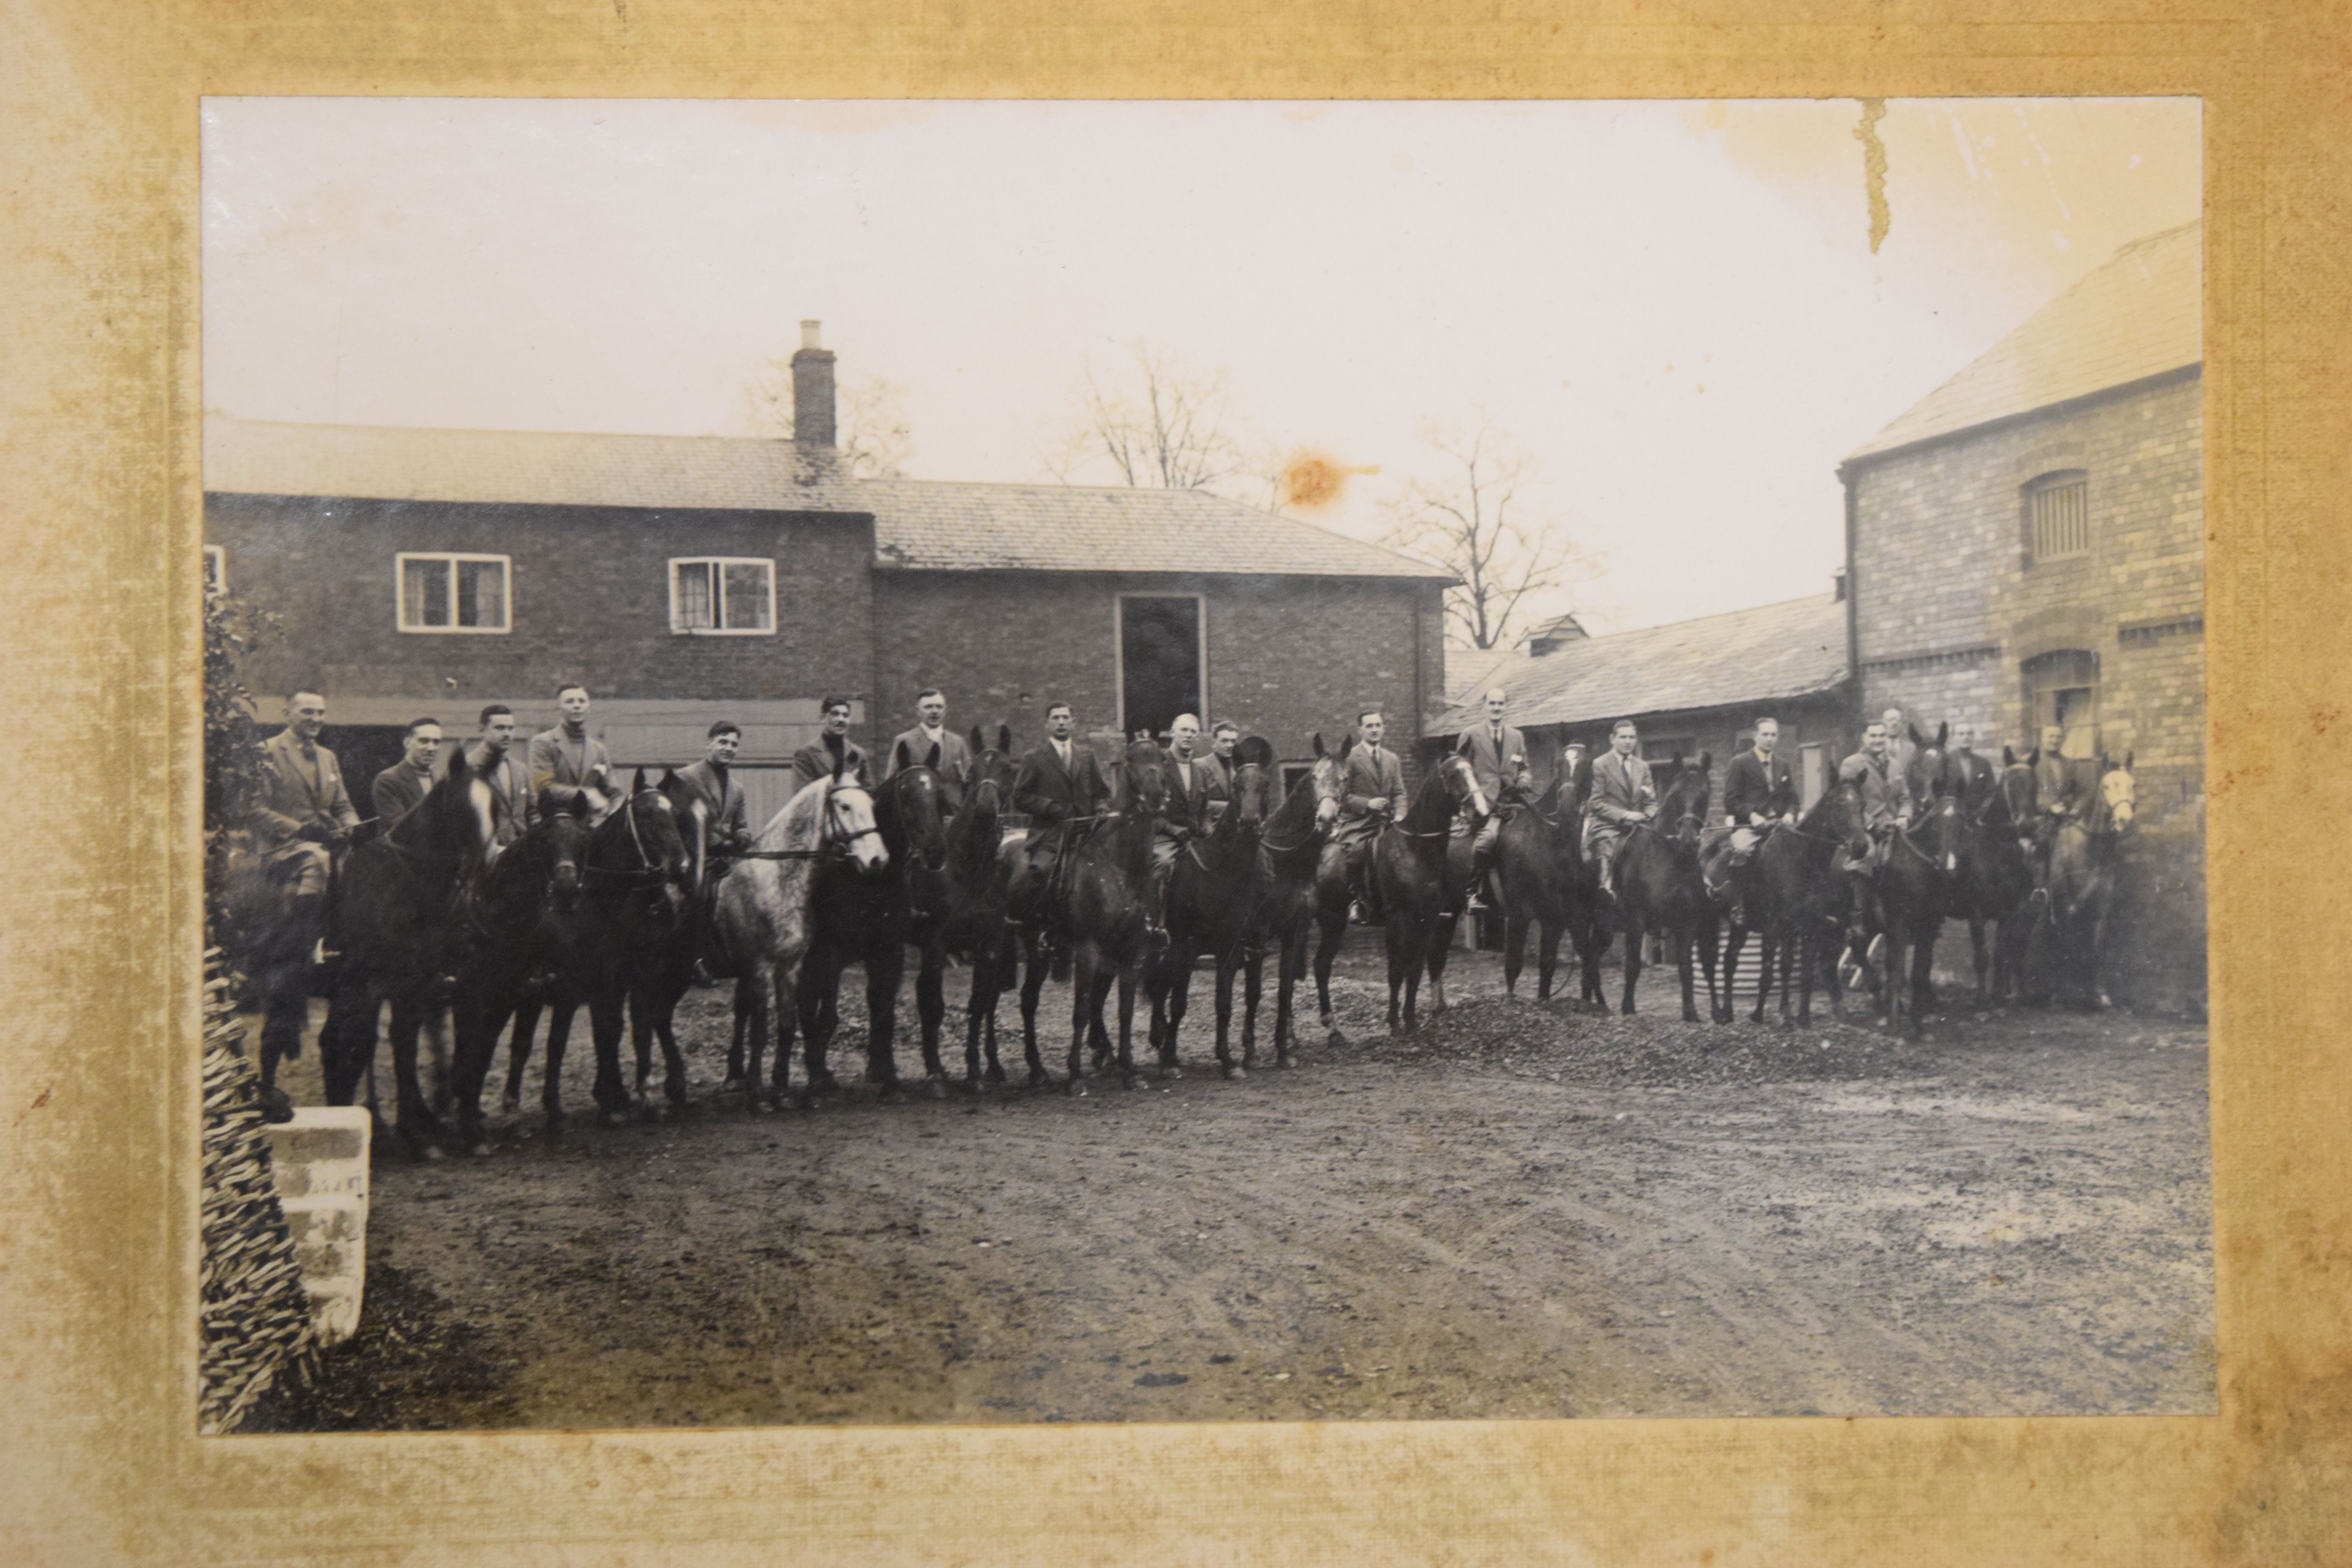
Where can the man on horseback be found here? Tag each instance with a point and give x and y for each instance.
(1498, 755)
(832, 749)
(1059, 783)
(1759, 795)
(1623, 798)
(1372, 797)
(1222, 737)
(1184, 810)
(491, 758)
(567, 762)
(730, 829)
(955, 766)
(2054, 798)
(1978, 775)
(1885, 811)
(399, 787)
(303, 815)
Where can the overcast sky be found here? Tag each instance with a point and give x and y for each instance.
(1673, 306)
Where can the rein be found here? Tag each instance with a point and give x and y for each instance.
(645, 874)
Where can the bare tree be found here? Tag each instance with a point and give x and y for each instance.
(875, 439)
(1471, 519)
(1158, 424)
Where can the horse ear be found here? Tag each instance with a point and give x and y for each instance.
(1706, 761)
(1678, 758)
(638, 784)
(2128, 760)
(2008, 756)
(1004, 738)
(669, 776)
(899, 756)
(979, 743)
(1943, 733)
(1319, 743)
(933, 761)
(459, 768)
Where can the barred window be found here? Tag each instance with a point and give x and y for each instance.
(720, 596)
(455, 593)
(2059, 516)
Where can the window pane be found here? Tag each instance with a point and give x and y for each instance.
(695, 607)
(424, 593)
(2061, 520)
(747, 595)
(481, 593)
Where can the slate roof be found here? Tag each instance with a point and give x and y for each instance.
(918, 524)
(2139, 314)
(1770, 653)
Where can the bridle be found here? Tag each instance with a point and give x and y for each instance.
(645, 874)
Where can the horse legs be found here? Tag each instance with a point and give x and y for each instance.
(1175, 1000)
(1679, 938)
(1329, 932)
(931, 1008)
(1127, 978)
(1227, 962)
(1515, 946)
(820, 974)
(475, 1021)
(1392, 933)
(526, 1023)
(418, 1123)
(607, 1020)
(1547, 957)
(885, 964)
(1632, 956)
(1082, 994)
(1033, 981)
(1439, 949)
(1718, 1001)
(1983, 963)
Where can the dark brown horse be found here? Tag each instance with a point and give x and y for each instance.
(1214, 890)
(1098, 909)
(519, 919)
(868, 918)
(1792, 898)
(960, 910)
(1410, 860)
(1549, 882)
(1995, 880)
(1659, 888)
(631, 904)
(392, 917)
(1916, 888)
(1290, 853)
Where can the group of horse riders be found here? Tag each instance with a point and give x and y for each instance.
(1760, 797)
(306, 813)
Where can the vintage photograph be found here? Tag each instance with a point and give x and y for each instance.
(1011, 762)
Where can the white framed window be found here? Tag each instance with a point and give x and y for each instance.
(455, 593)
(216, 569)
(723, 595)
(2058, 516)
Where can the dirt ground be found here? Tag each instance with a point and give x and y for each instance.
(1525, 1210)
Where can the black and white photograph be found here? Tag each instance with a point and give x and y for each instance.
(1016, 762)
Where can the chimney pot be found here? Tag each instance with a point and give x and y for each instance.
(809, 334)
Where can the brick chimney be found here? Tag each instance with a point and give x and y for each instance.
(813, 411)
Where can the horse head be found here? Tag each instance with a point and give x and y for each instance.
(849, 823)
(1328, 780)
(1462, 786)
(914, 810)
(691, 813)
(563, 841)
(2118, 795)
(1684, 801)
(1253, 790)
(1142, 786)
(2017, 791)
(458, 817)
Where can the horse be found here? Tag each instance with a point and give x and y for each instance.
(1917, 887)
(633, 902)
(1290, 851)
(1097, 907)
(959, 909)
(1213, 891)
(1793, 900)
(391, 916)
(1331, 890)
(762, 920)
(1659, 888)
(1995, 879)
(517, 926)
(2083, 865)
(1549, 882)
(665, 973)
(866, 917)
(1410, 860)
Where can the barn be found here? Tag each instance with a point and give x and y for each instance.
(2026, 547)
(684, 579)
(1693, 686)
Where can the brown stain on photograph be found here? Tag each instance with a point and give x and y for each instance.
(1314, 481)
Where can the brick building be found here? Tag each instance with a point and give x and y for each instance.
(1692, 686)
(2026, 547)
(687, 578)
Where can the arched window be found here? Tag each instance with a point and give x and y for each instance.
(2061, 688)
(2057, 508)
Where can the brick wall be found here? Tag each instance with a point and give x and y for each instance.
(591, 599)
(1286, 655)
(1949, 606)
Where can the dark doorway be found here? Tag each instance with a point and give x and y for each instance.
(1158, 660)
(363, 751)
